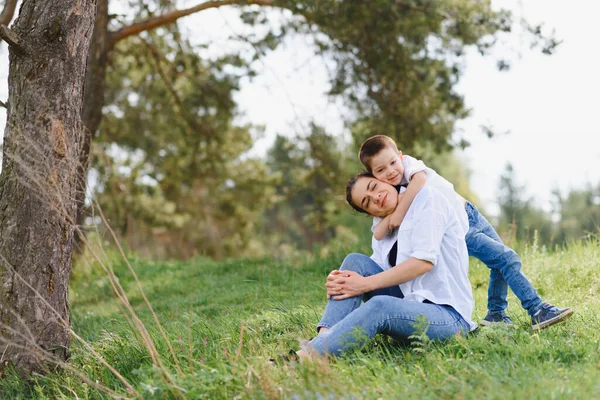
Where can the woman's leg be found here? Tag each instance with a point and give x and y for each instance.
(336, 310)
(390, 315)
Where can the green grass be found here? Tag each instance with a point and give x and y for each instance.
(225, 319)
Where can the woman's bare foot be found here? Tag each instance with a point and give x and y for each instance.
(303, 355)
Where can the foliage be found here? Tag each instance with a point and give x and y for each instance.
(579, 214)
(575, 216)
(169, 157)
(396, 63)
(420, 340)
(518, 215)
(310, 193)
(225, 319)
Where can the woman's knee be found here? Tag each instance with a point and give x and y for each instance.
(355, 262)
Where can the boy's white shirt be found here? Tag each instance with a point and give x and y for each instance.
(412, 166)
(431, 231)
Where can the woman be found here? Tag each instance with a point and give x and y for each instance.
(429, 275)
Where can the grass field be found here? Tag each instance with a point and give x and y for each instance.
(225, 319)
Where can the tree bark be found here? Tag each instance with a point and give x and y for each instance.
(93, 100)
(43, 139)
(8, 12)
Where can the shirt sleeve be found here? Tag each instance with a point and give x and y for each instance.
(377, 256)
(412, 166)
(376, 221)
(430, 226)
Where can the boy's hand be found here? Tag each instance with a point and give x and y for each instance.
(395, 221)
(396, 218)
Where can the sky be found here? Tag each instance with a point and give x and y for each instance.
(547, 104)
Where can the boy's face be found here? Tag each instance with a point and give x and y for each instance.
(375, 197)
(387, 166)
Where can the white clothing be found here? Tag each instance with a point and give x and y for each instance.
(432, 232)
(412, 166)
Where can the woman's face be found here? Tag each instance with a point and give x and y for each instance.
(375, 197)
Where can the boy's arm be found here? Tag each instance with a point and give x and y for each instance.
(417, 181)
(394, 220)
(382, 228)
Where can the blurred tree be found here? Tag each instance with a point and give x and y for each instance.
(310, 193)
(578, 213)
(519, 218)
(170, 160)
(396, 63)
(512, 205)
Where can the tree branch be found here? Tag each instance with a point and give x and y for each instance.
(170, 17)
(190, 122)
(12, 39)
(8, 12)
(3, 104)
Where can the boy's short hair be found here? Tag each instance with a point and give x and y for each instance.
(372, 146)
(350, 186)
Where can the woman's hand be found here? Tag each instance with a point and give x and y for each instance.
(345, 284)
(333, 275)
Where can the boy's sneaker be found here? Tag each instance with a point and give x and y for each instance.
(549, 315)
(493, 318)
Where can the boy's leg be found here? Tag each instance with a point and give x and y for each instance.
(484, 244)
(336, 310)
(390, 315)
(497, 288)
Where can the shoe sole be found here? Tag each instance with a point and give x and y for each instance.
(490, 323)
(559, 318)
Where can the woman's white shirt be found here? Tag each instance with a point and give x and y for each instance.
(431, 231)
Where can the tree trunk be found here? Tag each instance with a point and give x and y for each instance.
(43, 138)
(93, 100)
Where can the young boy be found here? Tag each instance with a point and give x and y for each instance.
(381, 157)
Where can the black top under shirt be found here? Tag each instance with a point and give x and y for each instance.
(393, 254)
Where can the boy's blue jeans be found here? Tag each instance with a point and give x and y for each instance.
(504, 263)
(384, 311)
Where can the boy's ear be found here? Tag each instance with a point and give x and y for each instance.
(400, 154)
